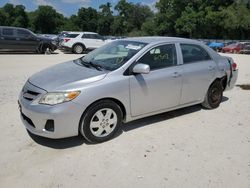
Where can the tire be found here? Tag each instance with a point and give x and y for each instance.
(43, 48)
(101, 121)
(214, 96)
(78, 49)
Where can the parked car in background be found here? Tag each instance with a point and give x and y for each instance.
(20, 39)
(79, 42)
(235, 47)
(60, 36)
(123, 81)
(217, 46)
(245, 50)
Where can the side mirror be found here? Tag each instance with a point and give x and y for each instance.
(141, 69)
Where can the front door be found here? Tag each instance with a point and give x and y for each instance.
(161, 88)
(26, 40)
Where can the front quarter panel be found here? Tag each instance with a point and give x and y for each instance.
(113, 86)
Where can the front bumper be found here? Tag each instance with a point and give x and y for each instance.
(35, 116)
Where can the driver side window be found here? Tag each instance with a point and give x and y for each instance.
(160, 57)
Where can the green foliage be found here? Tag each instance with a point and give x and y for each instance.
(47, 20)
(87, 19)
(13, 16)
(105, 20)
(185, 18)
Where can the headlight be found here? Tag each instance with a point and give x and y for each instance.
(58, 97)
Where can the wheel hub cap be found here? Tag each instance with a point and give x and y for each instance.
(103, 122)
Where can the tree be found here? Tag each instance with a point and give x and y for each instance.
(185, 18)
(47, 20)
(187, 23)
(131, 16)
(237, 20)
(71, 24)
(21, 17)
(3, 17)
(106, 19)
(10, 13)
(87, 19)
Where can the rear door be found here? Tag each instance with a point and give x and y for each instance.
(198, 71)
(92, 41)
(8, 38)
(99, 40)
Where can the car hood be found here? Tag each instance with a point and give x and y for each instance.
(66, 76)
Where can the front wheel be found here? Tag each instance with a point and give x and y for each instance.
(214, 96)
(101, 121)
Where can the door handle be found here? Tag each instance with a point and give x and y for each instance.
(176, 75)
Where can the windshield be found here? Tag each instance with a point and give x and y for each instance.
(113, 55)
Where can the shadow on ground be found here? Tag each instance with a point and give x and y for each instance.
(79, 140)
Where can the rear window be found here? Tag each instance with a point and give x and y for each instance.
(8, 32)
(193, 53)
(71, 35)
(92, 36)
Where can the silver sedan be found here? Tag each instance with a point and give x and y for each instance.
(122, 81)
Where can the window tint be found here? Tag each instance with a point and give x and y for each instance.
(160, 57)
(71, 35)
(92, 36)
(23, 33)
(8, 32)
(98, 37)
(87, 36)
(193, 53)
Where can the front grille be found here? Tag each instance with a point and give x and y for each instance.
(30, 92)
(30, 95)
(28, 120)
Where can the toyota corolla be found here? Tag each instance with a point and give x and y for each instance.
(122, 81)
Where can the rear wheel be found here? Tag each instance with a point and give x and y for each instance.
(214, 96)
(78, 49)
(101, 121)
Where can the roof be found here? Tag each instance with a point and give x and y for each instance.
(11, 27)
(81, 32)
(158, 39)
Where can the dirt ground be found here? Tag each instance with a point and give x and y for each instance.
(191, 147)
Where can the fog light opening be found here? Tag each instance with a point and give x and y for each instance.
(49, 126)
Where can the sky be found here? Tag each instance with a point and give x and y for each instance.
(69, 7)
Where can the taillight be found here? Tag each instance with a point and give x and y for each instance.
(234, 66)
(66, 40)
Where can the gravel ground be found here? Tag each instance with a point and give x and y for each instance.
(191, 147)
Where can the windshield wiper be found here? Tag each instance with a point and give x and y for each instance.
(97, 67)
(84, 63)
(91, 64)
